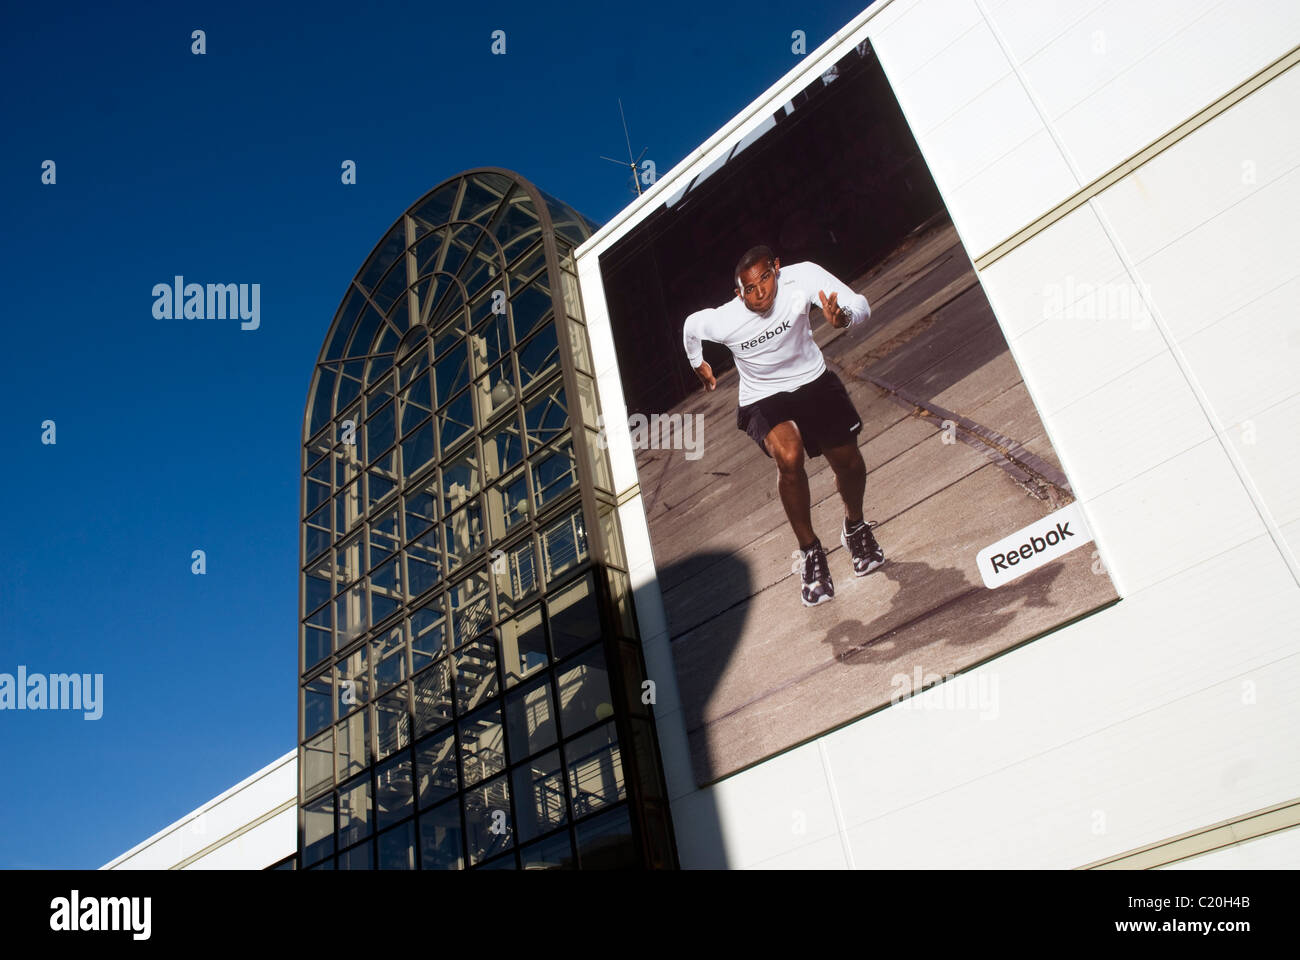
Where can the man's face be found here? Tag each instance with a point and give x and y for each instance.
(758, 285)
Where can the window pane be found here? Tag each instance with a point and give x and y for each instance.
(539, 796)
(523, 646)
(461, 481)
(496, 389)
(348, 508)
(350, 614)
(415, 404)
(317, 707)
(583, 687)
(578, 347)
(471, 610)
(564, 544)
(352, 738)
(423, 563)
(546, 417)
(508, 504)
(575, 621)
(397, 848)
(451, 371)
(318, 764)
(595, 770)
(440, 838)
(353, 681)
(530, 718)
(605, 843)
(419, 506)
(354, 811)
(317, 535)
(515, 576)
(502, 449)
(360, 857)
(553, 853)
(554, 473)
(381, 478)
(389, 655)
(482, 745)
(394, 792)
(539, 357)
(385, 537)
(530, 308)
(476, 674)
(490, 341)
(456, 421)
(428, 634)
(488, 830)
(381, 430)
(393, 722)
(464, 532)
(435, 765)
(318, 828)
(432, 690)
(417, 450)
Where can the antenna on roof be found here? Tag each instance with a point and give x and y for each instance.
(629, 162)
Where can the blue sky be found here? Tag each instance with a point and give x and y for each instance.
(177, 435)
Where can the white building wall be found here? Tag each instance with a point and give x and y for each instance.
(1168, 389)
(248, 827)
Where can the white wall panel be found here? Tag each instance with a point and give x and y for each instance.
(1151, 729)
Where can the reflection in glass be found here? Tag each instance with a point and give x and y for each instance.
(354, 811)
(539, 796)
(502, 449)
(564, 544)
(488, 830)
(584, 691)
(553, 853)
(575, 621)
(318, 828)
(440, 838)
(523, 645)
(393, 722)
(394, 793)
(482, 745)
(530, 718)
(435, 766)
(476, 674)
(432, 690)
(595, 769)
(397, 848)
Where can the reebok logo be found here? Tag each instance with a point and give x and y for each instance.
(1002, 561)
(775, 331)
(1037, 544)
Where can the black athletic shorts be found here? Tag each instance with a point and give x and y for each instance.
(822, 411)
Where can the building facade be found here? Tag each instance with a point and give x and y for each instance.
(472, 684)
(469, 552)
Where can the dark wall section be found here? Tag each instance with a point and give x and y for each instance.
(838, 180)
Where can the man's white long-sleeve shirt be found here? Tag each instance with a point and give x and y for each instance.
(774, 351)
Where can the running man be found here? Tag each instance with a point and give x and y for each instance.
(790, 403)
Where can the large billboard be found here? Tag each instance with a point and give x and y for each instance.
(849, 491)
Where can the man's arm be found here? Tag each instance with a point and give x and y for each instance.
(828, 290)
(693, 332)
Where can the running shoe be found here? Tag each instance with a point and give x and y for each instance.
(817, 586)
(862, 546)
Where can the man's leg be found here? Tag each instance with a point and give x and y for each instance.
(850, 478)
(785, 444)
